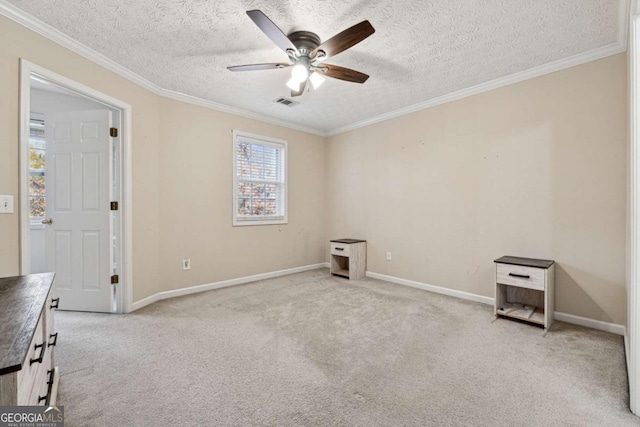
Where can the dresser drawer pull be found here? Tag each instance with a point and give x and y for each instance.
(524, 276)
(55, 302)
(55, 340)
(50, 372)
(339, 249)
(49, 383)
(39, 359)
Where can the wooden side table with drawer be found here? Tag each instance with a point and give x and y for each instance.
(524, 289)
(349, 258)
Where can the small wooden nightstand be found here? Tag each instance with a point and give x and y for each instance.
(349, 258)
(524, 289)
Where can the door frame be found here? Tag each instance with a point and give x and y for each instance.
(124, 289)
(632, 336)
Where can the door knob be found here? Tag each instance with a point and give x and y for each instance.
(47, 221)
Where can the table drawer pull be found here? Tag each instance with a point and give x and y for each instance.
(55, 302)
(55, 340)
(39, 359)
(523, 276)
(339, 249)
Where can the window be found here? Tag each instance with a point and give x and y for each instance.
(37, 144)
(259, 180)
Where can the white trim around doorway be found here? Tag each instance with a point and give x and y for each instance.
(29, 69)
(632, 337)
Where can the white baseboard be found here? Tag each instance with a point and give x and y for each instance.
(590, 323)
(563, 317)
(432, 288)
(223, 284)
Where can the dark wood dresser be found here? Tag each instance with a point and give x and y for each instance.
(28, 375)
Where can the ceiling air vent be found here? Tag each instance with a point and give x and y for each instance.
(287, 102)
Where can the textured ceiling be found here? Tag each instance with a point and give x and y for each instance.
(420, 50)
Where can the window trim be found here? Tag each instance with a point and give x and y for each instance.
(280, 143)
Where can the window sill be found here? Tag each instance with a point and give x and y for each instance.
(246, 222)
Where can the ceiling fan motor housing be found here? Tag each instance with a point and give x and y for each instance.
(304, 41)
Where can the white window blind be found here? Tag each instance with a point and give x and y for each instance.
(259, 180)
(37, 145)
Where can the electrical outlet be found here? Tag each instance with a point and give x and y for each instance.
(388, 256)
(186, 264)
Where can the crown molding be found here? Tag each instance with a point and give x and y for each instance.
(47, 31)
(592, 55)
(491, 85)
(26, 20)
(178, 96)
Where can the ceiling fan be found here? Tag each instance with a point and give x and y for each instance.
(306, 52)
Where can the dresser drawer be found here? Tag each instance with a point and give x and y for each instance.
(29, 371)
(517, 275)
(41, 381)
(341, 249)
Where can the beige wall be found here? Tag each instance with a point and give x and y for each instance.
(181, 179)
(196, 200)
(535, 169)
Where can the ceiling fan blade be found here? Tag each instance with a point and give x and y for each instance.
(257, 67)
(344, 40)
(342, 73)
(271, 30)
(301, 91)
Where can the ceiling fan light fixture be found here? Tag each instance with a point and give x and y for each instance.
(300, 72)
(307, 52)
(294, 84)
(316, 80)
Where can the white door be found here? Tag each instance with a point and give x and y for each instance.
(78, 237)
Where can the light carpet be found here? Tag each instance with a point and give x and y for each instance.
(310, 349)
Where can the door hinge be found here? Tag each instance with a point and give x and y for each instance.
(114, 206)
(113, 132)
(115, 279)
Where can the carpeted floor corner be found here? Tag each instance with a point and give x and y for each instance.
(315, 350)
